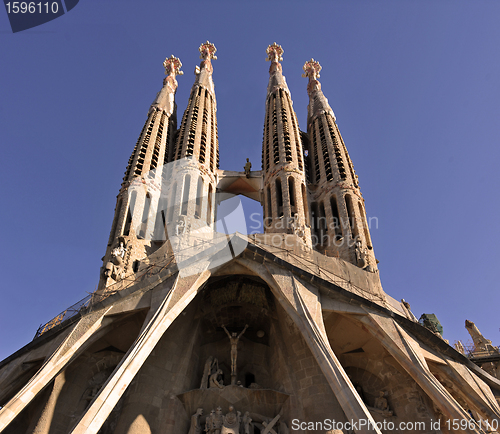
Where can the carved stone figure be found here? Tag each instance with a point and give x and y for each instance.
(90, 394)
(381, 405)
(195, 422)
(114, 267)
(247, 168)
(360, 254)
(215, 382)
(234, 339)
(297, 227)
(211, 366)
(181, 227)
(247, 423)
(231, 422)
(119, 252)
(459, 347)
(381, 402)
(218, 419)
(210, 423)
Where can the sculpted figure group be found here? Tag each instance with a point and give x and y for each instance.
(233, 423)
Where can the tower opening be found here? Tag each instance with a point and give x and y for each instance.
(185, 195)
(291, 191)
(351, 216)
(131, 206)
(145, 216)
(279, 197)
(199, 193)
(269, 216)
(336, 218)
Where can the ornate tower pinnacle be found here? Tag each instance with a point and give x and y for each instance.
(274, 53)
(338, 218)
(318, 102)
(277, 81)
(311, 69)
(173, 66)
(165, 98)
(191, 197)
(207, 51)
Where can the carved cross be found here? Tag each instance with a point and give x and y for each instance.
(269, 426)
(274, 53)
(311, 69)
(172, 66)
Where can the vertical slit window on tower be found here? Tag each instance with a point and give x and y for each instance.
(166, 157)
(291, 192)
(305, 205)
(209, 207)
(199, 197)
(269, 207)
(130, 210)
(279, 197)
(323, 227)
(365, 226)
(145, 216)
(160, 230)
(185, 195)
(315, 224)
(351, 216)
(336, 218)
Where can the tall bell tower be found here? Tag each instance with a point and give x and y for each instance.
(285, 193)
(339, 223)
(133, 228)
(195, 160)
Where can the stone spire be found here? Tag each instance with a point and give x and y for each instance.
(198, 136)
(135, 212)
(338, 217)
(193, 182)
(285, 195)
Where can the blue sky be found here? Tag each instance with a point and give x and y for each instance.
(414, 86)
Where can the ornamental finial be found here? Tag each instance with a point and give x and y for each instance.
(274, 53)
(172, 66)
(311, 69)
(207, 51)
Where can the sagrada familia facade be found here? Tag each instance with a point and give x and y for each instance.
(194, 331)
